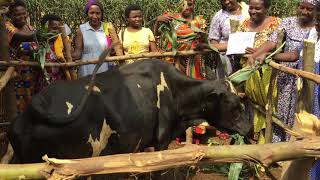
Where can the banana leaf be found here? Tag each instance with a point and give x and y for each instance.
(245, 73)
(236, 168)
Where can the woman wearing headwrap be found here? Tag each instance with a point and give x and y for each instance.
(296, 30)
(92, 38)
(186, 29)
(314, 36)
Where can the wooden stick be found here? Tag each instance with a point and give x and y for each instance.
(310, 76)
(269, 106)
(154, 161)
(115, 40)
(108, 59)
(71, 75)
(189, 135)
(234, 24)
(6, 77)
(277, 121)
(308, 65)
(4, 53)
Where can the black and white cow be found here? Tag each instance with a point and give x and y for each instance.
(145, 104)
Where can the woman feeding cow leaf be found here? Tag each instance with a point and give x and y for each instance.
(257, 85)
(180, 32)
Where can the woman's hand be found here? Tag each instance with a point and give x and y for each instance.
(250, 60)
(164, 19)
(250, 50)
(262, 57)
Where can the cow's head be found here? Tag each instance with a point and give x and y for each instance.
(224, 109)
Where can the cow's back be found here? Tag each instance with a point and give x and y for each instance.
(125, 99)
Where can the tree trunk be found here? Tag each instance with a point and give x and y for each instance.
(154, 161)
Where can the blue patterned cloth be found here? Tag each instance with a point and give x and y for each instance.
(316, 106)
(313, 35)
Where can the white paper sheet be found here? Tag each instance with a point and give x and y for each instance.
(238, 42)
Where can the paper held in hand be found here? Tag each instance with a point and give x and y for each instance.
(238, 42)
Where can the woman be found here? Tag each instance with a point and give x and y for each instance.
(220, 23)
(257, 85)
(52, 23)
(220, 28)
(184, 23)
(92, 38)
(135, 38)
(296, 29)
(314, 36)
(21, 41)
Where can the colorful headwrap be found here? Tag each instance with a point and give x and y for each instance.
(182, 5)
(313, 2)
(93, 2)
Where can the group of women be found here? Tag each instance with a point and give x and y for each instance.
(94, 36)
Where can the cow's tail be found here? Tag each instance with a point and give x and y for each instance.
(74, 114)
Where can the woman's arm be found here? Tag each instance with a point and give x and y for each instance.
(287, 57)
(260, 53)
(222, 47)
(160, 20)
(78, 46)
(23, 37)
(153, 47)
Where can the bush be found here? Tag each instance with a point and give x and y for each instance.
(72, 11)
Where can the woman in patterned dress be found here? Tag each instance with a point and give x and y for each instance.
(21, 38)
(186, 26)
(257, 85)
(220, 29)
(296, 29)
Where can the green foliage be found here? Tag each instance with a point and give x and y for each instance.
(72, 11)
(236, 168)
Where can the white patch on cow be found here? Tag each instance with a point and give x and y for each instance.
(70, 107)
(94, 89)
(99, 145)
(138, 85)
(160, 87)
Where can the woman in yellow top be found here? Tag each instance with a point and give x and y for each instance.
(257, 85)
(135, 38)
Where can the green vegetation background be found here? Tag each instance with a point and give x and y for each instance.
(72, 11)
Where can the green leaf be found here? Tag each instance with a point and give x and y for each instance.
(234, 171)
(236, 168)
(241, 75)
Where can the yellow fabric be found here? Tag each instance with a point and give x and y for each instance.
(136, 42)
(58, 46)
(257, 85)
(106, 27)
